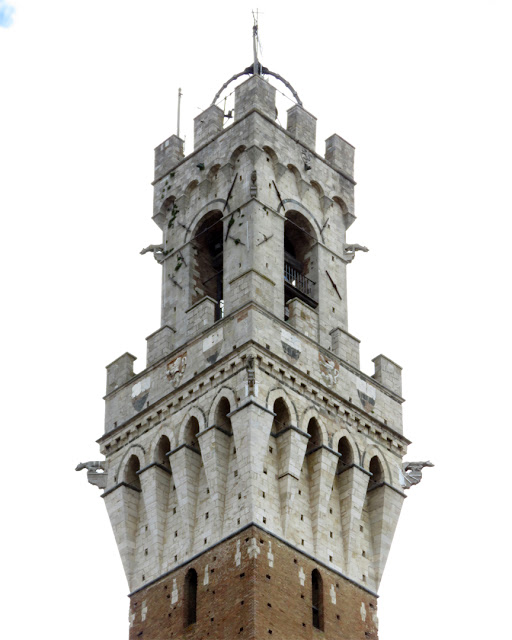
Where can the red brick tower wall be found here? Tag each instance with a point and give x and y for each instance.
(253, 586)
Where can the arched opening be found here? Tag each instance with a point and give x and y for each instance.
(347, 455)
(131, 476)
(282, 417)
(317, 600)
(162, 449)
(377, 472)
(221, 415)
(190, 597)
(191, 431)
(316, 435)
(300, 261)
(208, 261)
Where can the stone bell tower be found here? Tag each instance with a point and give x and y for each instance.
(253, 473)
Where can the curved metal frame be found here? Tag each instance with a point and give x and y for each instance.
(264, 71)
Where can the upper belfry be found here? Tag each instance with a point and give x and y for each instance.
(252, 460)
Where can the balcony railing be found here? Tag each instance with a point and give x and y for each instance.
(297, 280)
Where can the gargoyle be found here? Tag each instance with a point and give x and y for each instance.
(157, 250)
(411, 473)
(349, 250)
(96, 472)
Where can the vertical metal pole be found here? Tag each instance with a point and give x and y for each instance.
(179, 110)
(256, 68)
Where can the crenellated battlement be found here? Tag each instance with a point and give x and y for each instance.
(252, 414)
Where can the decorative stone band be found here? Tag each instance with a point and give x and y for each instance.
(386, 484)
(293, 428)
(117, 486)
(323, 446)
(214, 426)
(154, 464)
(273, 535)
(349, 466)
(183, 446)
(249, 401)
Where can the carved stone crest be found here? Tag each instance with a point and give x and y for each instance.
(176, 369)
(329, 370)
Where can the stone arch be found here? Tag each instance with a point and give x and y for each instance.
(223, 392)
(341, 204)
(276, 393)
(300, 259)
(312, 412)
(192, 414)
(164, 430)
(271, 158)
(315, 435)
(161, 450)
(295, 171)
(343, 433)
(222, 411)
(130, 471)
(317, 187)
(208, 260)
(374, 451)
(191, 187)
(135, 449)
(167, 207)
(235, 156)
(214, 172)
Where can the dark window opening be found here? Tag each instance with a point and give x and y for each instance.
(347, 456)
(316, 435)
(377, 476)
(282, 417)
(208, 263)
(131, 476)
(162, 449)
(221, 416)
(191, 431)
(317, 600)
(190, 597)
(300, 272)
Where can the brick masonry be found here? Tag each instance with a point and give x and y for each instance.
(252, 586)
(259, 420)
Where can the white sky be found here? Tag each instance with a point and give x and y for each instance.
(423, 90)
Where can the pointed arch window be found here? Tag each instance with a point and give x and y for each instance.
(317, 600)
(377, 477)
(208, 268)
(190, 597)
(131, 475)
(300, 260)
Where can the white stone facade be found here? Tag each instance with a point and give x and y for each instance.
(262, 415)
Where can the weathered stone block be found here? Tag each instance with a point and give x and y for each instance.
(340, 153)
(302, 126)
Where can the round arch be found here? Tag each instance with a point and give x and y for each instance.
(196, 413)
(227, 393)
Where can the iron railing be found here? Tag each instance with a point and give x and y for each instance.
(297, 280)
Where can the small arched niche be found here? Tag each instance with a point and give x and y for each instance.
(207, 272)
(316, 435)
(222, 412)
(347, 455)
(190, 597)
(300, 260)
(191, 431)
(161, 452)
(282, 418)
(131, 476)
(377, 472)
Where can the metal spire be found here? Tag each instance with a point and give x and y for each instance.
(257, 66)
